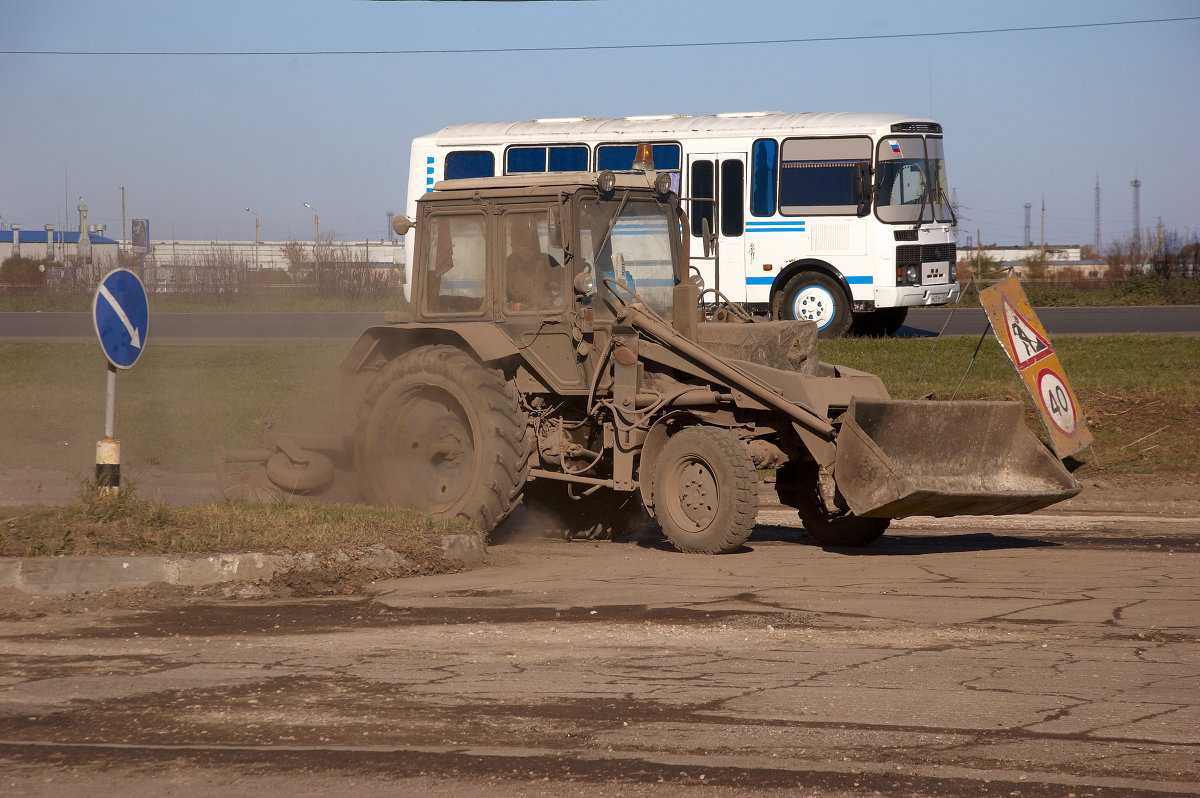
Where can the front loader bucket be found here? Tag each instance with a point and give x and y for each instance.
(900, 458)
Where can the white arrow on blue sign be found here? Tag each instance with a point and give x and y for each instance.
(121, 316)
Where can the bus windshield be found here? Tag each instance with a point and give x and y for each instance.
(911, 183)
(629, 241)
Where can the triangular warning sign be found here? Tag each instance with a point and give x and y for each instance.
(1025, 343)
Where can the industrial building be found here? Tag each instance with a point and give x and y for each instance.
(86, 245)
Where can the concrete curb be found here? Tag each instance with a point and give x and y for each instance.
(47, 576)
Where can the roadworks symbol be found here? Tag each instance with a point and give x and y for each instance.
(1026, 344)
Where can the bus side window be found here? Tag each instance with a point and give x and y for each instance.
(703, 191)
(819, 175)
(470, 163)
(733, 198)
(764, 167)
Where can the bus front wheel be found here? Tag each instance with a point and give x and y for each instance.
(816, 297)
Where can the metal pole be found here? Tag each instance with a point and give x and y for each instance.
(316, 245)
(108, 451)
(123, 220)
(110, 409)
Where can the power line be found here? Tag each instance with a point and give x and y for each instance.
(602, 47)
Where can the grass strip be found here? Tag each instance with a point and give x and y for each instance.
(123, 523)
(1140, 394)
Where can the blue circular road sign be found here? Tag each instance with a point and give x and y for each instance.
(121, 316)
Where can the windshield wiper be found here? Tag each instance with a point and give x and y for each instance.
(924, 202)
(613, 222)
(944, 200)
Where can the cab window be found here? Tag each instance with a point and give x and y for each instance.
(534, 280)
(455, 264)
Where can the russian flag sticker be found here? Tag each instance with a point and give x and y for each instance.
(895, 145)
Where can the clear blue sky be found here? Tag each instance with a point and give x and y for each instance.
(196, 139)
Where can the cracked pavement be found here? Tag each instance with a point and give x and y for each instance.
(1042, 655)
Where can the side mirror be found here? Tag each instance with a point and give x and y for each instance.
(706, 237)
(402, 224)
(862, 186)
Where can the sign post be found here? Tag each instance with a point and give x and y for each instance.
(1028, 347)
(121, 317)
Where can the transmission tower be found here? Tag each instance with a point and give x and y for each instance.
(1028, 210)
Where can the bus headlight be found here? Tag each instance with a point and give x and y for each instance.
(908, 275)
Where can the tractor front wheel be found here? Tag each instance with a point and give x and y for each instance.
(705, 490)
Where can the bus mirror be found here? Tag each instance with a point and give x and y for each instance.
(862, 186)
(706, 237)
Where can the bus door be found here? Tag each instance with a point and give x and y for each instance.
(717, 192)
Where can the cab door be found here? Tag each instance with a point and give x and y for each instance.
(717, 193)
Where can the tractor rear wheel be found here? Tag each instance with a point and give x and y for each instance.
(442, 434)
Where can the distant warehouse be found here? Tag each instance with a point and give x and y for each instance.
(55, 247)
(58, 246)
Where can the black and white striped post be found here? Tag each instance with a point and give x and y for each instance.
(108, 450)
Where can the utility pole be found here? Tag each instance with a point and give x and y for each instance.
(316, 245)
(1043, 225)
(122, 217)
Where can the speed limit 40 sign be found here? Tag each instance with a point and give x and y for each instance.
(1024, 339)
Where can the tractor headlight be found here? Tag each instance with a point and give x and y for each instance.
(662, 184)
(584, 283)
(606, 181)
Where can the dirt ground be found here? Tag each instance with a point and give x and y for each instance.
(1126, 496)
(1046, 655)
(1053, 654)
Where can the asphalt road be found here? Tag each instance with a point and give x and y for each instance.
(342, 328)
(1047, 655)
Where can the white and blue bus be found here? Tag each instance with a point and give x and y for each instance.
(839, 218)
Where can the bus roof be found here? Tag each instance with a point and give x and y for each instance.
(675, 125)
(543, 181)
